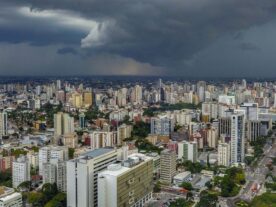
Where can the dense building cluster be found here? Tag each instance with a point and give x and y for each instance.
(113, 145)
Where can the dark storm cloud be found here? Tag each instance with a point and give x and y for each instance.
(67, 50)
(167, 33)
(248, 46)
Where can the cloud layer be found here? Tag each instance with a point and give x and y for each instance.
(162, 37)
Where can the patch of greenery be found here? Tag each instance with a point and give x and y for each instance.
(186, 185)
(195, 167)
(207, 199)
(181, 203)
(241, 204)
(230, 183)
(264, 200)
(141, 129)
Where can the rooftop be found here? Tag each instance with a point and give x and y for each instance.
(97, 152)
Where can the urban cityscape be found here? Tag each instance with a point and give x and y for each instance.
(141, 142)
(137, 103)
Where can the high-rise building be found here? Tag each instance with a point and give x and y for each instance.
(63, 123)
(82, 176)
(251, 111)
(162, 125)
(87, 99)
(45, 154)
(82, 120)
(100, 139)
(129, 183)
(58, 84)
(21, 171)
(187, 151)
(224, 154)
(237, 137)
(123, 132)
(253, 130)
(55, 172)
(167, 166)
(136, 95)
(3, 123)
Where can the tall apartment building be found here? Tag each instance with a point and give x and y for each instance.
(212, 137)
(167, 166)
(127, 184)
(162, 125)
(63, 124)
(45, 154)
(225, 127)
(237, 137)
(251, 111)
(188, 151)
(82, 176)
(253, 130)
(87, 99)
(55, 172)
(224, 154)
(21, 171)
(6, 162)
(123, 132)
(99, 139)
(3, 123)
(82, 120)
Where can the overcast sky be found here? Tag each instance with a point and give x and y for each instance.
(192, 38)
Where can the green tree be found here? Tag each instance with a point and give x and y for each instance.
(186, 185)
(207, 199)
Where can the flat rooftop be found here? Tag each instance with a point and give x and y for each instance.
(97, 152)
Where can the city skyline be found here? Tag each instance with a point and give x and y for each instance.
(202, 39)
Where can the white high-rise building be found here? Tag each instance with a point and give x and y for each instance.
(136, 171)
(82, 176)
(3, 123)
(224, 154)
(162, 125)
(237, 137)
(45, 154)
(55, 172)
(21, 171)
(251, 111)
(187, 151)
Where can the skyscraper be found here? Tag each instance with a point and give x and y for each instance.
(3, 123)
(224, 154)
(162, 125)
(82, 176)
(63, 123)
(21, 171)
(167, 166)
(237, 137)
(129, 183)
(187, 151)
(82, 120)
